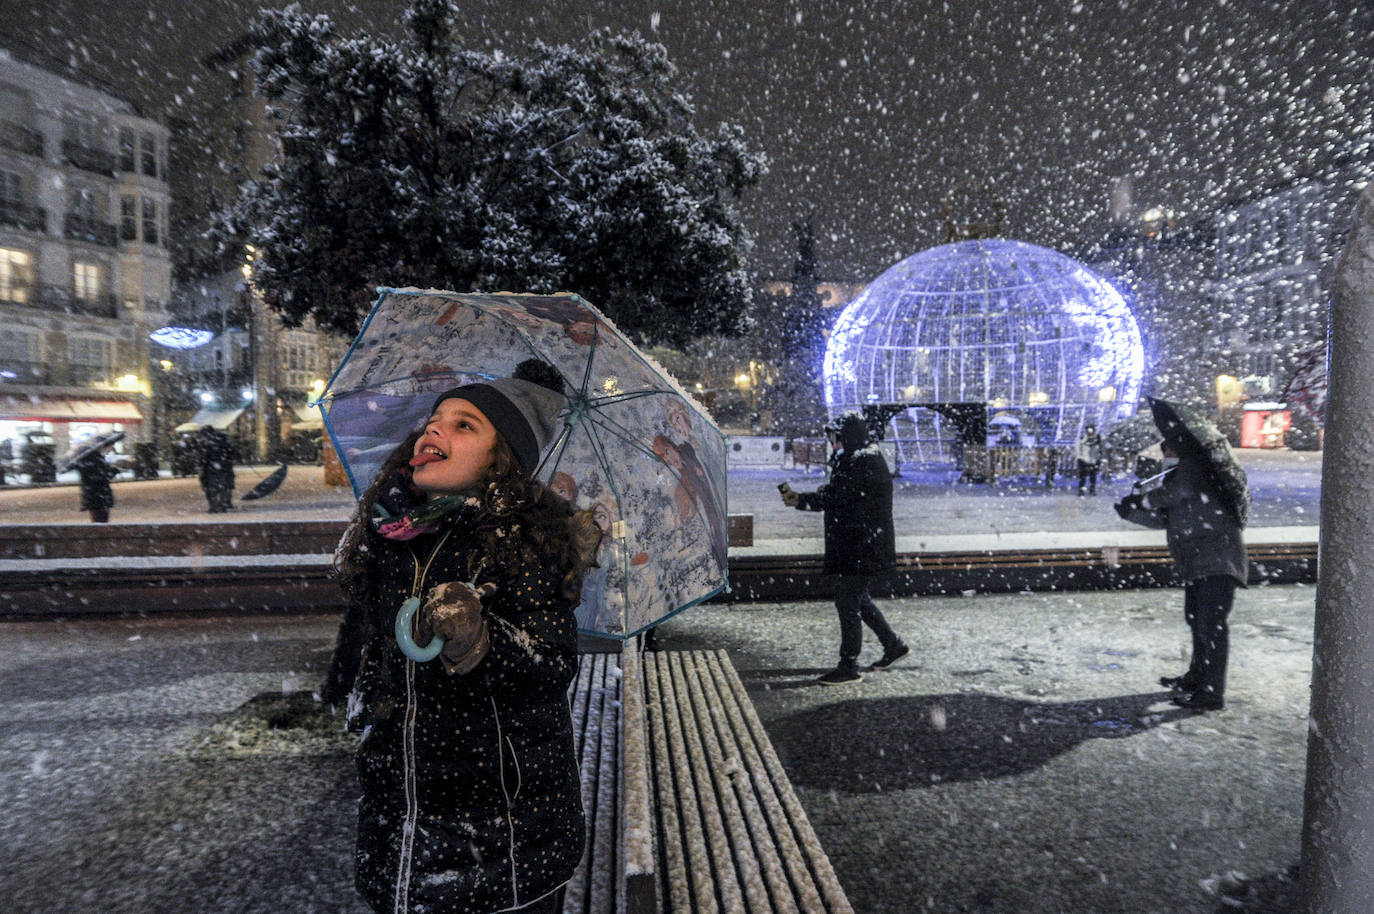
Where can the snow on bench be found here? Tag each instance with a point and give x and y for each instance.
(731, 834)
(688, 809)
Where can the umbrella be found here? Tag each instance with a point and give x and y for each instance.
(87, 448)
(635, 449)
(1130, 436)
(267, 486)
(1190, 432)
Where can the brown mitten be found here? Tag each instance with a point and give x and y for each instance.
(453, 611)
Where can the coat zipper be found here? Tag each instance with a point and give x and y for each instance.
(401, 899)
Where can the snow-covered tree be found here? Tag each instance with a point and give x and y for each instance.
(795, 399)
(416, 162)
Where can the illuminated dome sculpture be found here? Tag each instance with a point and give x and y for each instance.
(1028, 331)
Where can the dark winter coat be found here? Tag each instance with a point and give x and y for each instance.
(859, 534)
(95, 476)
(471, 791)
(1204, 537)
(216, 454)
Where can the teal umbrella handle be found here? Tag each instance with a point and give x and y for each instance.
(408, 646)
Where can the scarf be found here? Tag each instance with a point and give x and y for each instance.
(423, 518)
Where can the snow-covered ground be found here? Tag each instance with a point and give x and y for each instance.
(932, 509)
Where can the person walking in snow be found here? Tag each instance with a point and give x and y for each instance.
(1202, 502)
(1087, 451)
(95, 474)
(471, 796)
(216, 468)
(860, 543)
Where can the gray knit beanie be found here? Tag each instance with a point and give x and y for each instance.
(523, 411)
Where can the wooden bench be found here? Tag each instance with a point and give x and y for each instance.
(688, 809)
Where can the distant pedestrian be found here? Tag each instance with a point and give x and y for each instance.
(216, 455)
(1088, 452)
(1202, 502)
(860, 543)
(96, 495)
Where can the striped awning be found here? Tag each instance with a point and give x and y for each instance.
(24, 408)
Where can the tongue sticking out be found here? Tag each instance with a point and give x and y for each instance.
(420, 460)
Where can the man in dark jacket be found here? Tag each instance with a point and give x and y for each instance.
(1205, 543)
(860, 543)
(216, 469)
(96, 495)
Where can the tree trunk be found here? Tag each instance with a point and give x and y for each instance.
(1338, 823)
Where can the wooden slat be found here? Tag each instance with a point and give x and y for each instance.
(605, 838)
(594, 696)
(835, 901)
(662, 771)
(636, 822)
(732, 834)
(759, 866)
(792, 885)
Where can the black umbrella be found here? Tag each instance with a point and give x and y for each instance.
(267, 486)
(88, 448)
(1133, 435)
(1192, 434)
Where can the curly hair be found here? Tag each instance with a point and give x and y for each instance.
(546, 530)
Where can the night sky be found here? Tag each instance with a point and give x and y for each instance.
(872, 113)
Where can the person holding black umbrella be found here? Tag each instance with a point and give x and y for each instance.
(1202, 501)
(96, 495)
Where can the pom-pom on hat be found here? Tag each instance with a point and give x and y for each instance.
(524, 408)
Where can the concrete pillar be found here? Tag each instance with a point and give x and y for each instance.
(1338, 820)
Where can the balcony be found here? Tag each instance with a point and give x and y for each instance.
(89, 158)
(23, 216)
(79, 375)
(13, 372)
(83, 228)
(21, 139)
(55, 298)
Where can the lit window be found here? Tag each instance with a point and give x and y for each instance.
(86, 281)
(16, 275)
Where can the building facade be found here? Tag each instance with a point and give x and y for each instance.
(85, 272)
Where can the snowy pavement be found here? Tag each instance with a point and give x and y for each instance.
(1021, 760)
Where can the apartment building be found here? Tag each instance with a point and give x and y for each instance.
(85, 272)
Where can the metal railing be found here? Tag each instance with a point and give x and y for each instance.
(89, 158)
(24, 216)
(13, 372)
(21, 139)
(84, 228)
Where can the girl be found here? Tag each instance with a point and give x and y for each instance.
(471, 797)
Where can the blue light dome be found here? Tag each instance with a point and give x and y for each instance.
(1034, 334)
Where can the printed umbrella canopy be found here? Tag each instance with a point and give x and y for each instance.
(635, 448)
(88, 447)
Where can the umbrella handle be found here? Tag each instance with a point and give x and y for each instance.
(407, 643)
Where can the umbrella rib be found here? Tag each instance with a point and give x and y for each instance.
(626, 436)
(610, 399)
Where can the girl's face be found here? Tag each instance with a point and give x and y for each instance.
(455, 450)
